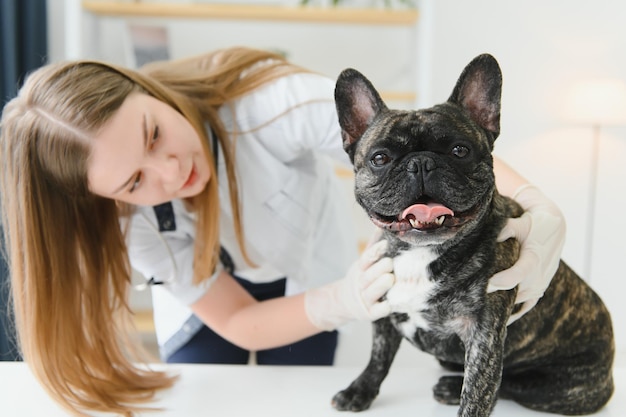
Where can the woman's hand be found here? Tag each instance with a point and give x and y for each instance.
(541, 232)
(355, 297)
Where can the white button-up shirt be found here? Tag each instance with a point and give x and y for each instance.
(296, 220)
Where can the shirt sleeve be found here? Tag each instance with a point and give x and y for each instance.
(165, 258)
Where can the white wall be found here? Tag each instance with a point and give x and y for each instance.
(543, 47)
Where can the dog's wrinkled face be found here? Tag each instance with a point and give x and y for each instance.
(423, 176)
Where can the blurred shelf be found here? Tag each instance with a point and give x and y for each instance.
(398, 96)
(343, 172)
(143, 321)
(306, 14)
(402, 17)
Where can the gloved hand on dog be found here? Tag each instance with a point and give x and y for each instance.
(355, 297)
(541, 232)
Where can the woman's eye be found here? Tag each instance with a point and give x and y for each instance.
(155, 134)
(135, 184)
(380, 159)
(460, 151)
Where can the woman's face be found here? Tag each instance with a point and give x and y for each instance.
(147, 154)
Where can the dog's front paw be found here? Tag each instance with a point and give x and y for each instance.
(353, 399)
(448, 390)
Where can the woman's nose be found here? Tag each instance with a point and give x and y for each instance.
(171, 170)
(167, 168)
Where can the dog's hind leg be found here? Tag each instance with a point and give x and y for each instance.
(575, 391)
(363, 390)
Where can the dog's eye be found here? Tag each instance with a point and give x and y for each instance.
(380, 159)
(460, 151)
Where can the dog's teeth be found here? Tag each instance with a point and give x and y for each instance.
(440, 220)
(414, 223)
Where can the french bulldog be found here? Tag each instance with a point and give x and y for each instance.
(425, 178)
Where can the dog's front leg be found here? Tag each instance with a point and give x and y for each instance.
(484, 349)
(363, 390)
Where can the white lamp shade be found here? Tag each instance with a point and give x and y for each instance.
(597, 102)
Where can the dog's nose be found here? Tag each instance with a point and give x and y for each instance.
(421, 164)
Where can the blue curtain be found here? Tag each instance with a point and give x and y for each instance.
(23, 42)
(23, 48)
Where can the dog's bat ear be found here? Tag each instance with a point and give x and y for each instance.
(357, 103)
(478, 91)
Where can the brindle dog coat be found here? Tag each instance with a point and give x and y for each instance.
(426, 178)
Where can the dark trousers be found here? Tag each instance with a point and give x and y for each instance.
(208, 347)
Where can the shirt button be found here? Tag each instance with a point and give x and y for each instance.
(187, 328)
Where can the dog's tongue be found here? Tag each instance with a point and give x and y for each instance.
(426, 213)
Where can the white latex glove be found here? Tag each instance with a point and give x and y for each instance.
(541, 232)
(356, 296)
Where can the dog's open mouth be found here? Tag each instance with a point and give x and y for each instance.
(427, 216)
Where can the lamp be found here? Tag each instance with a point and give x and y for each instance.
(595, 103)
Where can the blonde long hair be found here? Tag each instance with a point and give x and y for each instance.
(70, 272)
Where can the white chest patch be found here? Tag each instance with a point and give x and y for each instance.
(413, 285)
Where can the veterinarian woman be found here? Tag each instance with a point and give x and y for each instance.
(206, 176)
